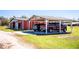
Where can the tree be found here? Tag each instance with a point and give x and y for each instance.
(4, 21)
(23, 17)
(1, 16)
(34, 16)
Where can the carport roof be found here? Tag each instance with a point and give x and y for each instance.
(51, 18)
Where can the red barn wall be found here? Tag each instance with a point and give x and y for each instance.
(26, 25)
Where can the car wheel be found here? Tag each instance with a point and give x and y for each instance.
(50, 30)
(64, 30)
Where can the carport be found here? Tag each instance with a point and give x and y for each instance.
(47, 19)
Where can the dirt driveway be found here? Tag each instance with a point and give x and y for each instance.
(8, 41)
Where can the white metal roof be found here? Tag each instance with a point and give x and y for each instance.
(18, 18)
(55, 18)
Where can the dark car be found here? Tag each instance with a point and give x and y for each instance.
(51, 27)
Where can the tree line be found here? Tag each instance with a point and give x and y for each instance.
(5, 21)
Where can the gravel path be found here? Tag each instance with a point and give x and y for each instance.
(8, 41)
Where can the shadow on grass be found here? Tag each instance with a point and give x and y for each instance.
(39, 33)
(13, 29)
(43, 33)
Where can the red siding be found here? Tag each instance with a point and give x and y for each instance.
(31, 24)
(26, 25)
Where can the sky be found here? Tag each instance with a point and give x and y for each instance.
(56, 13)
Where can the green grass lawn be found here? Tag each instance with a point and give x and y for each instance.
(51, 41)
(60, 41)
(4, 28)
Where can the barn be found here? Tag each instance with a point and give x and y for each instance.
(49, 19)
(19, 24)
(28, 24)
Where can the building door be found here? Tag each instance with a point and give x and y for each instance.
(13, 25)
(19, 26)
(38, 27)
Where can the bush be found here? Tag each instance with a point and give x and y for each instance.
(4, 22)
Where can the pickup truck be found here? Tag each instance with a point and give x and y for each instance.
(50, 27)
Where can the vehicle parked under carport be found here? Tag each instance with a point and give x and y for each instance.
(52, 27)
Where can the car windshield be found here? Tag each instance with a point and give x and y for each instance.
(56, 24)
(53, 24)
